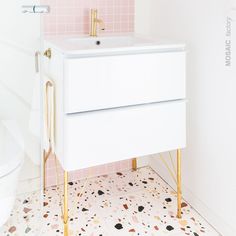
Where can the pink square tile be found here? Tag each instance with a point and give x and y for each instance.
(66, 16)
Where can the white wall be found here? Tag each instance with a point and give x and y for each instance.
(19, 39)
(209, 161)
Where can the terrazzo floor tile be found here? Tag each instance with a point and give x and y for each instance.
(121, 204)
(25, 217)
(127, 203)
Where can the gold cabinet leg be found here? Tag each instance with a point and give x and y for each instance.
(134, 164)
(65, 216)
(179, 197)
(45, 158)
(44, 171)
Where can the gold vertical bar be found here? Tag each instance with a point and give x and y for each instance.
(134, 164)
(179, 197)
(91, 22)
(95, 23)
(45, 158)
(44, 171)
(66, 233)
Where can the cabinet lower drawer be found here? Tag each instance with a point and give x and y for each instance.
(94, 138)
(113, 81)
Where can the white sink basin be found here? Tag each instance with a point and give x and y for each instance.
(104, 42)
(72, 46)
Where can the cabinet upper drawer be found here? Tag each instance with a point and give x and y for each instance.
(113, 81)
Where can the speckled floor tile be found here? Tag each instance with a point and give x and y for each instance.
(135, 203)
(120, 204)
(25, 217)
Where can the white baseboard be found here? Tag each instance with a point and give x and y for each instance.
(27, 186)
(143, 161)
(217, 222)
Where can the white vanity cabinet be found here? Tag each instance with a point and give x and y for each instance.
(117, 106)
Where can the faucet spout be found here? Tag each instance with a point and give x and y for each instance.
(94, 22)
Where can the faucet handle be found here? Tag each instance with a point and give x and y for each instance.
(101, 23)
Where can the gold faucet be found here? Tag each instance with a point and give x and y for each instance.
(94, 22)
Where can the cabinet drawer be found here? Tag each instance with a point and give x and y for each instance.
(94, 138)
(114, 81)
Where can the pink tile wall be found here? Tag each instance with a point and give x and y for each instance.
(72, 17)
(52, 170)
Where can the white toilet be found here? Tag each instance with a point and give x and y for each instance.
(11, 161)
